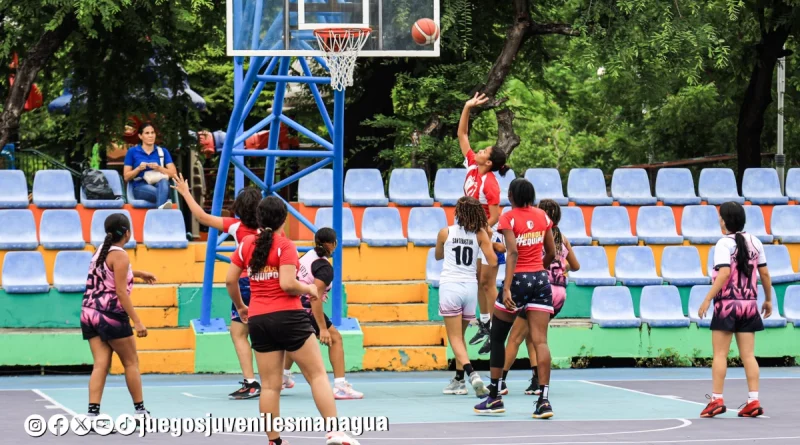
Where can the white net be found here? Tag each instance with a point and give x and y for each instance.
(340, 47)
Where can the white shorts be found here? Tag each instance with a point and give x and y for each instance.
(458, 299)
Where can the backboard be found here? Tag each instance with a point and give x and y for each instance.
(286, 27)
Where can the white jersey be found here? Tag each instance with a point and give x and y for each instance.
(461, 253)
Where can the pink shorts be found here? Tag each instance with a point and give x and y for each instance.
(559, 298)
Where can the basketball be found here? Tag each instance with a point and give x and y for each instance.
(425, 31)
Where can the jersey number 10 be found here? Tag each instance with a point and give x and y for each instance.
(463, 255)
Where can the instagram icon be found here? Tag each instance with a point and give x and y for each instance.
(35, 425)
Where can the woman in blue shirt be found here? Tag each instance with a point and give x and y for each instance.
(144, 158)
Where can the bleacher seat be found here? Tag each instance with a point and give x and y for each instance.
(710, 262)
(587, 186)
(424, 224)
(718, 185)
(594, 269)
(696, 297)
(631, 186)
(780, 264)
(504, 182)
(761, 186)
(791, 305)
(448, 186)
(24, 273)
(19, 230)
(661, 307)
(656, 225)
(137, 203)
(409, 187)
(700, 224)
(547, 185)
(680, 266)
(164, 229)
(54, 189)
(675, 186)
(636, 266)
(61, 229)
(71, 270)
(116, 186)
(775, 320)
(505, 210)
(433, 268)
(381, 227)
(98, 233)
(612, 226)
(612, 307)
(786, 224)
(324, 218)
(573, 226)
(15, 190)
(364, 187)
(316, 188)
(755, 225)
(792, 184)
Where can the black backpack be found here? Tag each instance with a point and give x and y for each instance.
(95, 185)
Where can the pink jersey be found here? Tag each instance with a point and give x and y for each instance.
(101, 289)
(304, 274)
(744, 287)
(556, 271)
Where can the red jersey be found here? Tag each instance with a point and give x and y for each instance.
(236, 228)
(483, 188)
(529, 225)
(266, 295)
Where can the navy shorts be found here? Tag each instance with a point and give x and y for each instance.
(530, 291)
(244, 288)
(736, 316)
(328, 322)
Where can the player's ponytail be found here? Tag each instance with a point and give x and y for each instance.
(553, 211)
(325, 235)
(498, 158)
(734, 217)
(271, 216)
(116, 225)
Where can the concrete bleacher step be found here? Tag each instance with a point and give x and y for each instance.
(157, 295)
(162, 339)
(172, 361)
(368, 313)
(402, 334)
(405, 358)
(379, 292)
(158, 317)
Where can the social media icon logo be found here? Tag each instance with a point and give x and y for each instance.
(81, 425)
(126, 424)
(58, 425)
(35, 425)
(103, 424)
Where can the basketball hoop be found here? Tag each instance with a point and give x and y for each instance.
(340, 47)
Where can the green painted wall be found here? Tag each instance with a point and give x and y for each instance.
(579, 302)
(47, 310)
(43, 347)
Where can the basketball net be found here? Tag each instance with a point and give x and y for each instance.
(340, 48)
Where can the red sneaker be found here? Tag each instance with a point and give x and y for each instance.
(714, 408)
(752, 409)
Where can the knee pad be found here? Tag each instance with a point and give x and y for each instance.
(498, 337)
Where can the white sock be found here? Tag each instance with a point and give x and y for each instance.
(339, 381)
(91, 415)
(485, 318)
(715, 396)
(752, 396)
(250, 381)
(287, 372)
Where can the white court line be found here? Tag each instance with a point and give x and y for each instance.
(201, 397)
(54, 402)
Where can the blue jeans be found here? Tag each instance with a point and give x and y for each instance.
(157, 194)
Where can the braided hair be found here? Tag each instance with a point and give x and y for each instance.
(245, 206)
(733, 215)
(325, 235)
(553, 211)
(271, 216)
(116, 225)
(470, 214)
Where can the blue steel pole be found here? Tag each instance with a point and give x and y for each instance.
(275, 126)
(238, 77)
(338, 180)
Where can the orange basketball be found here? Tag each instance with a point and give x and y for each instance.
(425, 31)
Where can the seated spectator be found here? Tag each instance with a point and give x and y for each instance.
(149, 168)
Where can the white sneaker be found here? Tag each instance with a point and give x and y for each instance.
(478, 385)
(345, 391)
(457, 387)
(338, 438)
(166, 205)
(288, 382)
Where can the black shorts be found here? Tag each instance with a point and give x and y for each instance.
(531, 292)
(736, 316)
(279, 331)
(244, 289)
(328, 322)
(105, 325)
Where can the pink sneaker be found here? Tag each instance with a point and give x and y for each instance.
(288, 382)
(338, 438)
(345, 391)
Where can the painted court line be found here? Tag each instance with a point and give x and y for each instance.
(54, 402)
(643, 393)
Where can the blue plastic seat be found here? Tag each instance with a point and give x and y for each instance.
(612, 307)
(631, 186)
(786, 224)
(164, 229)
(61, 229)
(594, 269)
(505, 210)
(98, 234)
(381, 227)
(775, 320)
(573, 226)
(636, 266)
(18, 230)
(710, 262)
(791, 305)
(116, 186)
(780, 264)
(792, 184)
(661, 307)
(324, 218)
(587, 186)
(54, 189)
(137, 203)
(755, 225)
(696, 297)
(547, 185)
(71, 270)
(675, 186)
(316, 188)
(680, 266)
(424, 224)
(718, 185)
(433, 268)
(612, 225)
(700, 224)
(761, 186)
(656, 225)
(409, 187)
(24, 273)
(504, 182)
(364, 187)
(15, 190)
(448, 186)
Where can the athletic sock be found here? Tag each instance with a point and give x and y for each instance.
(485, 318)
(505, 375)
(339, 381)
(533, 370)
(459, 374)
(139, 407)
(287, 372)
(468, 369)
(94, 409)
(277, 441)
(545, 392)
(249, 381)
(752, 396)
(715, 396)
(493, 388)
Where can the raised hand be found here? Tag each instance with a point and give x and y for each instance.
(477, 100)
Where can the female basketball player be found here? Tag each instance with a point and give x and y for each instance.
(526, 291)
(734, 291)
(316, 270)
(277, 320)
(246, 223)
(107, 313)
(482, 185)
(458, 246)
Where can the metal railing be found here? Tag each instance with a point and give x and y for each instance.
(31, 160)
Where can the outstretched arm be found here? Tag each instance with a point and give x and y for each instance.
(202, 217)
(463, 125)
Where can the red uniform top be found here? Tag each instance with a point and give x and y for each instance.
(236, 228)
(483, 188)
(529, 225)
(266, 295)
